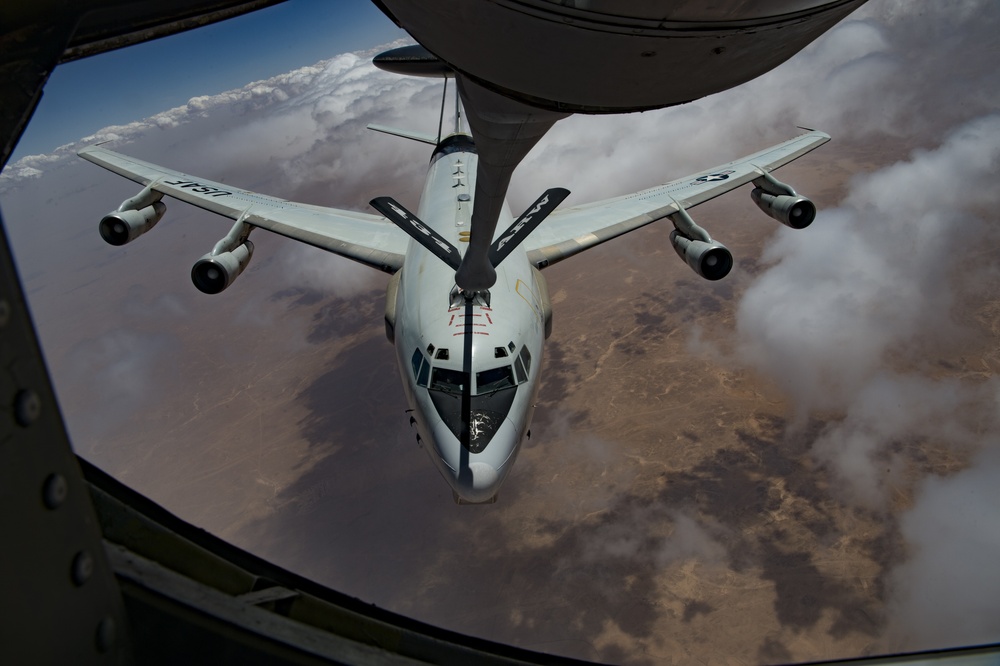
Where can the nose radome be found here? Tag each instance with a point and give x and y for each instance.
(479, 484)
(484, 477)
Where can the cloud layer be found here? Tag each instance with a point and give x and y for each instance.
(860, 316)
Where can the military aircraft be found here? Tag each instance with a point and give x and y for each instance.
(470, 361)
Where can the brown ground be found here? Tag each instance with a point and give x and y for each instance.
(664, 510)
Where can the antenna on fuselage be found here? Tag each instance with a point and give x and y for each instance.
(444, 96)
(458, 111)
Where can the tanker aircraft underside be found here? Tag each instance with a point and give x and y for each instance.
(470, 360)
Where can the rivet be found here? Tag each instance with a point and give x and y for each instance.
(4, 312)
(82, 568)
(54, 490)
(107, 632)
(27, 407)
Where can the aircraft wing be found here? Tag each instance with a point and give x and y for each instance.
(368, 239)
(570, 231)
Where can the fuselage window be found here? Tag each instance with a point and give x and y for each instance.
(488, 381)
(526, 359)
(449, 381)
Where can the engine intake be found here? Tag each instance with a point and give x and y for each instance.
(124, 226)
(213, 273)
(133, 218)
(781, 202)
(796, 212)
(711, 260)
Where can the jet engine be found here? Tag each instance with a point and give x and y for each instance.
(214, 272)
(711, 260)
(124, 226)
(133, 218)
(219, 268)
(782, 203)
(708, 258)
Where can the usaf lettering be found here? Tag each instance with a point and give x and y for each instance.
(198, 187)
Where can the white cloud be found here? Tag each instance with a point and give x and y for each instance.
(689, 539)
(113, 376)
(905, 411)
(628, 537)
(876, 277)
(948, 591)
(852, 314)
(851, 317)
(313, 269)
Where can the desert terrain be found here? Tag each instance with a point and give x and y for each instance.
(667, 508)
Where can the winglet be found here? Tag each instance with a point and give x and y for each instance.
(417, 230)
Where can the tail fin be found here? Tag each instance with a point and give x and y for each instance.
(409, 55)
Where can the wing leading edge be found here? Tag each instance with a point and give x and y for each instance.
(367, 239)
(570, 231)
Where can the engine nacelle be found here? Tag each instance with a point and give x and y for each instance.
(711, 260)
(796, 211)
(215, 272)
(124, 226)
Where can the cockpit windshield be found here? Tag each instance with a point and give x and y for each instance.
(449, 381)
(495, 379)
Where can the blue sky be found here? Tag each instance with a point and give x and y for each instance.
(84, 96)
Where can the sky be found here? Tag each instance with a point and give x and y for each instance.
(85, 95)
(876, 326)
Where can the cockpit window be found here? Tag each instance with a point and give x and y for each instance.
(499, 352)
(449, 381)
(522, 376)
(421, 367)
(488, 381)
(442, 354)
(417, 358)
(526, 359)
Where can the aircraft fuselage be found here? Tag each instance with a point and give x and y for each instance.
(469, 367)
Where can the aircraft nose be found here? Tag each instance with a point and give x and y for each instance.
(478, 482)
(484, 477)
